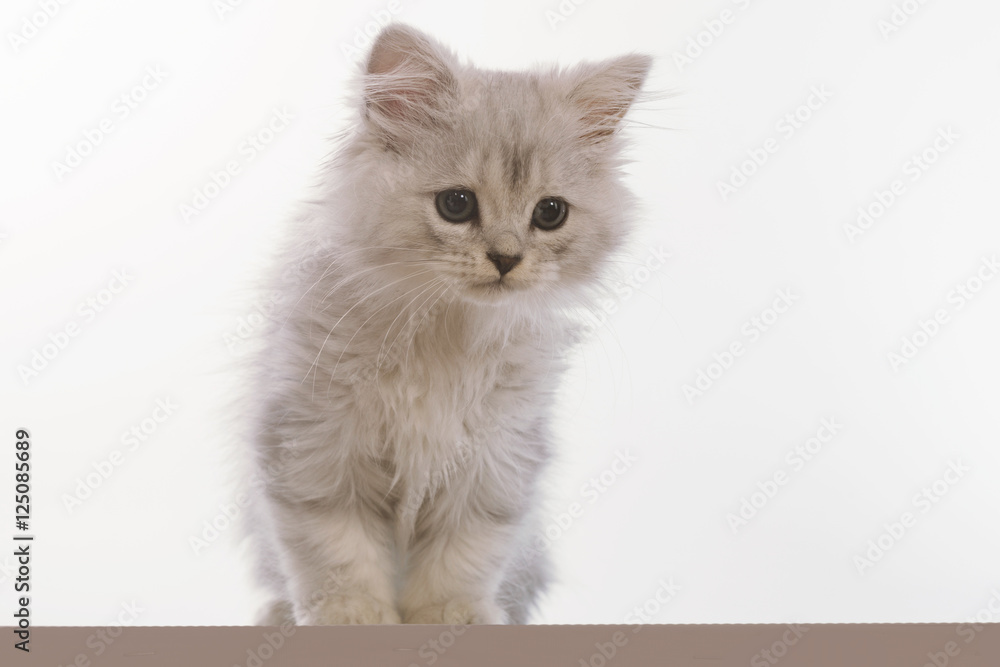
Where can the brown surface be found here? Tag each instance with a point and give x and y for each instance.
(847, 645)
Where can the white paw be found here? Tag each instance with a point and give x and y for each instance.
(458, 612)
(357, 609)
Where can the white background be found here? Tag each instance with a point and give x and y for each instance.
(164, 336)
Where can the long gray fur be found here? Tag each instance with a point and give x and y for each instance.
(402, 403)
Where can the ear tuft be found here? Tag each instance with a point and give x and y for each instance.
(408, 80)
(605, 91)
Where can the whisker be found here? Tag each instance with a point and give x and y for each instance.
(409, 347)
(333, 374)
(365, 298)
(355, 275)
(379, 358)
(338, 256)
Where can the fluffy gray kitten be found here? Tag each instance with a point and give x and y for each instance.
(423, 316)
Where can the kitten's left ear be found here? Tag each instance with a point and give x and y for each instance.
(605, 91)
(408, 82)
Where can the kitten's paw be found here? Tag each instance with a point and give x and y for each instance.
(458, 611)
(351, 610)
(276, 612)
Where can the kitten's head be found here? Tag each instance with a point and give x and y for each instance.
(499, 184)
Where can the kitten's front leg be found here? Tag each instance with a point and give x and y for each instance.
(456, 572)
(340, 566)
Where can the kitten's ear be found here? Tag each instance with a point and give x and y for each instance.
(604, 91)
(408, 82)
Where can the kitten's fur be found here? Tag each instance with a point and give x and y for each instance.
(406, 385)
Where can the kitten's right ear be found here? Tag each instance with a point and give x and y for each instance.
(604, 92)
(408, 83)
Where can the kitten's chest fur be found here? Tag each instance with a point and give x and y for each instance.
(453, 415)
(415, 411)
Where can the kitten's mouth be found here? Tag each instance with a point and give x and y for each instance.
(494, 288)
(505, 284)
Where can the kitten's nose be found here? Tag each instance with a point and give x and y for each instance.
(504, 263)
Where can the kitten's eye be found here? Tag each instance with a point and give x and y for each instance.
(549, 213)
(456, 205)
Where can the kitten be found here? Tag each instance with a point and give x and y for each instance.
(408, 376)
